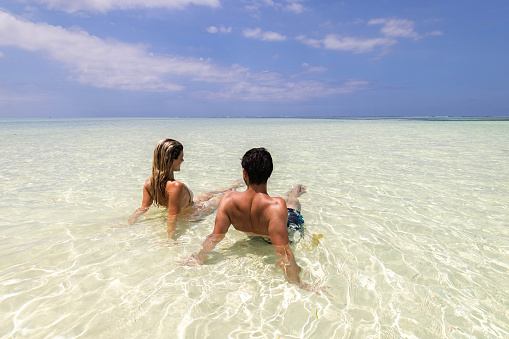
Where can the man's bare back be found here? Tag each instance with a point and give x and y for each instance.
(255, 213)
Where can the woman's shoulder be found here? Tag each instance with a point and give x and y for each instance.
(147, 183)
(174, 183)
(176, 190)
(175, 186)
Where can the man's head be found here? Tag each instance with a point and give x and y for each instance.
(257, 163)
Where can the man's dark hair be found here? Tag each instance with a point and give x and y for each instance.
(258, 164)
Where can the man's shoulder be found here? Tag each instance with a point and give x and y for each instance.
(277, 202)
(233, 202)
(274, 206)
(229, 198)
(232, 195)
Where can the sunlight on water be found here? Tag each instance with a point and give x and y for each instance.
(406, 222)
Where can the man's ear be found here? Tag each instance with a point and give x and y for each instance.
(245, 176)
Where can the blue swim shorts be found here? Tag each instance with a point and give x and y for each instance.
(295, 224)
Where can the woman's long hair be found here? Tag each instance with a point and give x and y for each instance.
(166, 151)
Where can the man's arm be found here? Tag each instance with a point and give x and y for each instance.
(279, 237)
(278, 216)
(221, 226)
(288, 264)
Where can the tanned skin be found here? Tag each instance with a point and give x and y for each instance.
(255, 213)
(178, 200)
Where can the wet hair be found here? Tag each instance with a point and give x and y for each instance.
(166, 151)
(258, 164)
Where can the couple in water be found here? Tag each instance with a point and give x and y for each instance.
(252, 211)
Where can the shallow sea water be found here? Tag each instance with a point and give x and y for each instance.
(406, 221)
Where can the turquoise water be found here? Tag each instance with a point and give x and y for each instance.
(413, 215)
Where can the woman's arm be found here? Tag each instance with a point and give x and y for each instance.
(145, 204)
(175, 193)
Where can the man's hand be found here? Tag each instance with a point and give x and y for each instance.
(287, 264)
(199, 258)
(192, 260)
(317, 287)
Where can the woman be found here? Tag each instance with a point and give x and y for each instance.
(161, 188)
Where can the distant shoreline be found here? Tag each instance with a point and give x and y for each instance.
(425, 118)
(408, 118)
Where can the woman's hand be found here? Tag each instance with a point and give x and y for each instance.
(138, 213)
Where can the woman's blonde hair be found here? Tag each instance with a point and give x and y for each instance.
(166, 151)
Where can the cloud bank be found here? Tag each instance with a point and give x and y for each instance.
(282, 91)
(121, 66)
(103, 6)
(392, 29)
(110, 64)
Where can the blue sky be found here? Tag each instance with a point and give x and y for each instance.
(200, 58)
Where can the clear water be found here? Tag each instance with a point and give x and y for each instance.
(414, 218)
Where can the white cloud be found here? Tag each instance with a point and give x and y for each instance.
(348, 44)
(273, 36)
(104, 6)
(309, 42)
(30, 12)
(391, 30)
(212, 29)
(312, 69)
(266, 36)
(283, 92)
(110, 64)
(397, 28)
(252, 33)
(295, 7)
(267, 78)
(222, 29)
(255, 5)
(355, 45)
(121, 66)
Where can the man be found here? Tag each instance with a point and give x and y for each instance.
(255, 213)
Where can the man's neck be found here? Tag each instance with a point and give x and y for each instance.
(261, 188)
